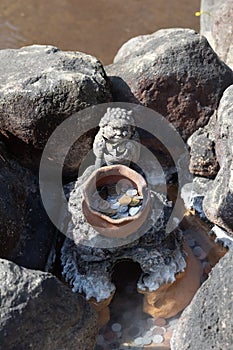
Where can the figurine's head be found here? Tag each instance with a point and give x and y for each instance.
(117, 123)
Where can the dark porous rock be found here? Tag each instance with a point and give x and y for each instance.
(217, 26)
(203, 160)
(207, 322)
(173, 71)
(39, 312)
(41, 86)
(26, 233)
(218, 202)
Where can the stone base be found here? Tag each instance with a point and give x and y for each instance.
(171, 298)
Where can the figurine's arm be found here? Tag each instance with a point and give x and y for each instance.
(98, 149)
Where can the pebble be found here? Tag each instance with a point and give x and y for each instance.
(158, 339)
(116, 327)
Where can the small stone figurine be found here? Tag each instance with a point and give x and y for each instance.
(117, 141)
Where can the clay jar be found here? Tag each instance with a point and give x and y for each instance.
(105, 225)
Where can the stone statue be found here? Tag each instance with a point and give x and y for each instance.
(86, 260)
(117, 141)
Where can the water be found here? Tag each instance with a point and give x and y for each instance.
(139, 330)
(95, 27)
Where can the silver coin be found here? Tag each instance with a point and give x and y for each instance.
(191, 242)
(123, 185)
(116, 327)
(123, 209)
(123, 215)
(134, 210)
(131, 192)
(147, 340)
(138, 341)
(103, 205)
(159, 330)
(158, 339)
(112, 199)
(115, 205)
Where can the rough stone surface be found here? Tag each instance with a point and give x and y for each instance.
(26, 233)
(207, 322)
(218, 202)
(216, 25)
(40, 86)
(173, 71)
(203, 160)
(39, 312)
(193, 194)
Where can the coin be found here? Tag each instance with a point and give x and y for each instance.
(131, 192)
(123, 185)
(134, 210)
(103, 205)
(134, 331)
(115, 205)
(161, 322)
(191, 242)
(124, 200)
(199, 253)
(138, 341)
(134, 201)
(123, 209)
(158, 339)
(116, 327)
(147, 340)
(159, 330)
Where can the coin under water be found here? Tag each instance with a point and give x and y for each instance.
(158, 339)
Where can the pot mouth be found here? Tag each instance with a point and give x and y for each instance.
(110, 177)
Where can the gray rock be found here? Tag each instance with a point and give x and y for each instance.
(193, 194)
(173, 71)
(40, 86)
(39, 312)
(218, 202)
(26, 233)
(207, 322)
(216, 25)
(203, 160)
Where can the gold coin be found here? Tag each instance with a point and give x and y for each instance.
(124, 200)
